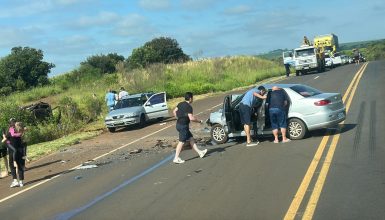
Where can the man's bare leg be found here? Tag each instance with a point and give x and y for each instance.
(275, 133)
(284, 138)
(194, 146)
(178, 149)
(247, 131)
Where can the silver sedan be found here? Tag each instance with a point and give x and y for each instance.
(309, 109)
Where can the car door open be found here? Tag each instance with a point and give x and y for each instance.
(156, 106)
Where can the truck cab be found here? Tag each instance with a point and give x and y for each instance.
(308, 58)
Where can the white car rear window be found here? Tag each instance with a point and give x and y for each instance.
(305, 91)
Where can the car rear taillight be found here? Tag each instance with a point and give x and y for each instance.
(322, 102)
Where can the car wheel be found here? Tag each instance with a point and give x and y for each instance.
(111, 129)
(142, 121)
(218, 134)
(297, 129)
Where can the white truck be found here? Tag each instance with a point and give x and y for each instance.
(307, 58)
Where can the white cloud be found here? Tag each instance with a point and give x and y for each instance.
(155, 5)
(13, 37)
(198, 4)
(237, 10)
(27, 7)
(103, 18)
(134, 25)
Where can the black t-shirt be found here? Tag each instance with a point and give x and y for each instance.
(184, 108)
(277, 99)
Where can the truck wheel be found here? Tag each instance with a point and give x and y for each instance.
(297, 72)
(112, 130)
(218, 134)
(297, 129)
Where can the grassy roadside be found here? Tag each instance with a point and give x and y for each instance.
(37, 151)
(83, 95)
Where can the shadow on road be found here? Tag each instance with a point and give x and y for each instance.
(44, 164)
(217, 148)
(47, 177)
(332, 131)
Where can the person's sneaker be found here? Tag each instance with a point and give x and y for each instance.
(21, 183)
(276, 142)
(178, 160)
(202, 153)
(254, 143)
(14, 183)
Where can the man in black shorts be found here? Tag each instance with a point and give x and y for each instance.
(184, 114)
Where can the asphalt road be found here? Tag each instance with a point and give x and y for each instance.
(233, 181)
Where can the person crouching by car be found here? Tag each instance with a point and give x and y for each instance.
(277, 113)
(246, 108)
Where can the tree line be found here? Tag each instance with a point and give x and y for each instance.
(24, 68)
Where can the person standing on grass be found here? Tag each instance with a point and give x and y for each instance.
(246, 109)
(277, 113)
(110, 100)
(184, 114)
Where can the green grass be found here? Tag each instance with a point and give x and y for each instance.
(37, 151)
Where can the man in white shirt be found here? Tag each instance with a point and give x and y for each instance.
(122, 93)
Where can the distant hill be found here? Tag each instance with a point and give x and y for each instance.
(277, 54)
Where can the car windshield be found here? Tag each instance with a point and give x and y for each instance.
(129, 102)
(305, 91)
(304, 52)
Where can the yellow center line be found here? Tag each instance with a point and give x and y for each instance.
(297, 200)
(312, 204)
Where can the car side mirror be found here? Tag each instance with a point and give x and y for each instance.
(148, 104)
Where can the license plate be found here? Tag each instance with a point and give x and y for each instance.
(340, 115)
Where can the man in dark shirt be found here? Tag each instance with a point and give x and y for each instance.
(277, 105)
(184, 114)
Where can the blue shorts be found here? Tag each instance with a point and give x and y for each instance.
(245, 114)
(277, 118)
(184, 132)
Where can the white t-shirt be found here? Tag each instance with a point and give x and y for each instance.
(122, 94)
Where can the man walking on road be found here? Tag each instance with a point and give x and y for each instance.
(245, 110)
(184, 114)
(277, 105)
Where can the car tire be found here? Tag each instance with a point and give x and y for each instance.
(218, 134)
(296, 129)
(112, 130)
(142, 121)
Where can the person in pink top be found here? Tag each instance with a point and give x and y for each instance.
(16, 153)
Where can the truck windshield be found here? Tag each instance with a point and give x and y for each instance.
(304, 52)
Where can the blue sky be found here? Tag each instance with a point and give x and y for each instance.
(69, 31)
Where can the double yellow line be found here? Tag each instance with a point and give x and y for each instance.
(316, 192)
